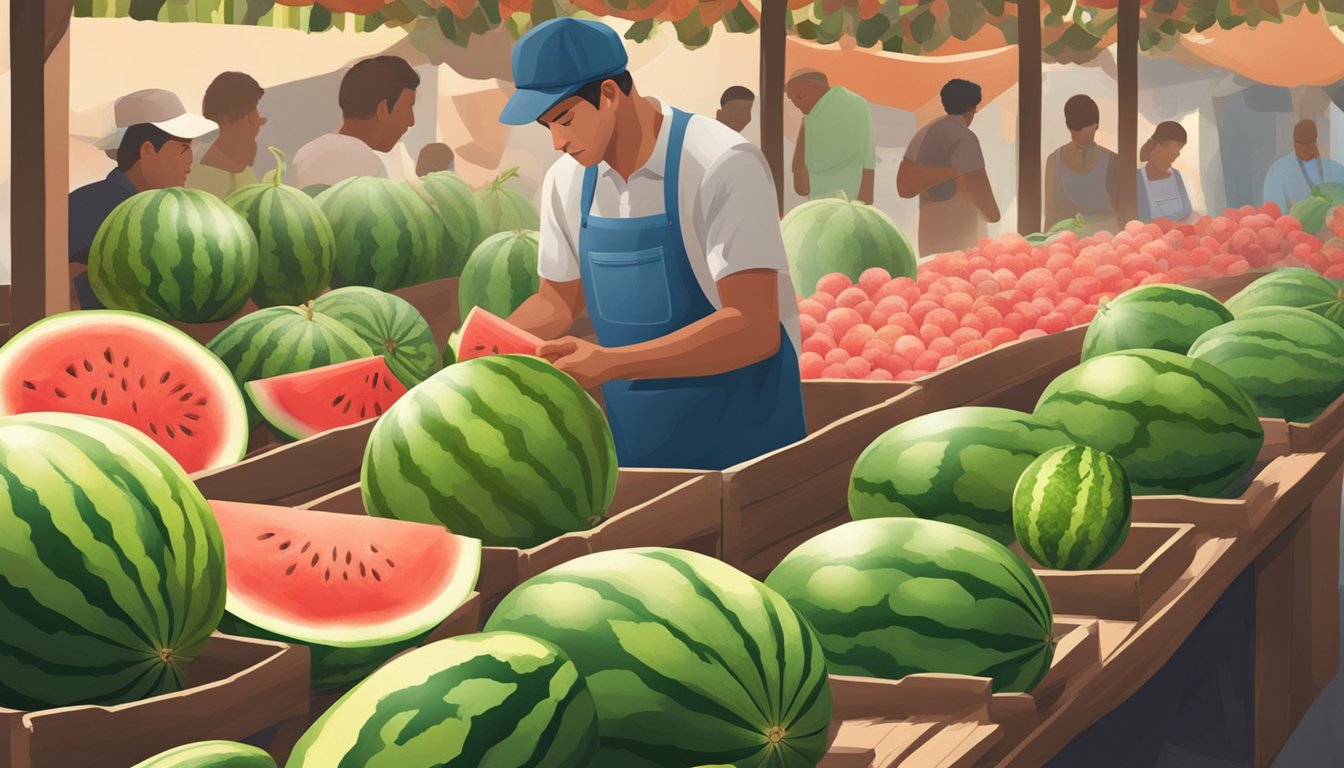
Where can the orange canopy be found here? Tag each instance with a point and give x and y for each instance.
(1303, 50)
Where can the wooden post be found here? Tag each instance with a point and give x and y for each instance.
(1127, 54)
(773, 34)
(1029, 77)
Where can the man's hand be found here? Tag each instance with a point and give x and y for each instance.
(589, 364)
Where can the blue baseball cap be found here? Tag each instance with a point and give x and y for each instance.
(557, 58)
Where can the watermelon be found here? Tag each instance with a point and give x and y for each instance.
(901, 596)
(311, 402)
(313, 190)
(492, 700)
(483, 334)
(1292, 287)
(133, 369)
(503, 210)
(390, 324)
(1175, 424)
(501, 274)
(958, 466)
(840, 235)
(341, 584)
(210, 754)
(689, 660)
(456, 206)
(297, 248)
(112, 577)
(506, 449)
(174, 254)
(1071, 508)
(1289, 361)
(278, 340)
(1312, 212)
(387, 236)
(1155, 316)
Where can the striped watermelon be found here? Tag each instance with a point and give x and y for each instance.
(297, 248)
(387, 236)
(456, 206)
(689, 660)
(1292, 287)
(840, 235)
(902, 596)
(958, 466)
(501, 274)
(503, 210)
(277, 340)
(1290, 361)
(112, 576)
(174, 254)
(505, 449)
(1071, 508)
(1166, 317)
(492, 700)
(390, 325)
(210, 754)
(1177, 425)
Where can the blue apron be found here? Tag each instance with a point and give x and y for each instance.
(639, 286)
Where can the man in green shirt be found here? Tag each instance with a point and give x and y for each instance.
(835, 151)
(232, 101)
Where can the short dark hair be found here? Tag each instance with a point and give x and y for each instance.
(736, 93)
(374, 81)
(960, 96)
(433, 157)
(128, 153)
(591, 92)
(230, 96)
(1080, 112)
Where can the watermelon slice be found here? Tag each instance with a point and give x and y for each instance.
(484, 334)
(342, 580)
(310, 402)
(130, 368)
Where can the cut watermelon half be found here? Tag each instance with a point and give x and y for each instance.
(310, 402)
(342, 580)
(484, 334)
(130, 368)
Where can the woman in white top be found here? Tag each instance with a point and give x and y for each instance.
(1161, 190)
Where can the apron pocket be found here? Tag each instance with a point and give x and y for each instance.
(666, 424)
(631, 288)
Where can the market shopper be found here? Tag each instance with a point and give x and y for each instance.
(1292, 177)
(735, 107)
(1161, 188)
(1082, 177)
(152, 148)
(835, 152)
(663, 225)
(433, 158)
(231, 101)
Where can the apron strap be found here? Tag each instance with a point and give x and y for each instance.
(672, 167)
(586, 198)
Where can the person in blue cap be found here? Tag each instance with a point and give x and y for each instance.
(664, 226)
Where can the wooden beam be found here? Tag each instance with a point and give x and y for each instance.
(773, 37)
(1029, 75)
(1127, 75)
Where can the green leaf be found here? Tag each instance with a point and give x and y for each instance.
(870, 32)
(1059, 8)
(1008, 27)
(993, 7)
(640, 30)
(320, 21)
(692, 32)
(964, 18)
(146, 10)
(807, 29)
(921, 29)
(447, 24)
(740, 20)
(1164, 7)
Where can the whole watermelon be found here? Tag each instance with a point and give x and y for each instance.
(297, 249)
(1175, 424)
(1071, 508)
(390, 325)
(210, 754)
(174, 254)
(901, 596)
(847, 236)
(501, 274)
(958, 466)
(387, 236)
(492, 700)
(1313, 211)
(278, 340)
(1159, 316)
(112, 577)
(1292, 287)
(503, 210)
(505, 449)
(689, 660)
(1289, 361)
(456, 206)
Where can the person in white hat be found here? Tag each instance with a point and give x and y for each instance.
(152, 147)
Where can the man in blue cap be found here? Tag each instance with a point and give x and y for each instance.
(663, 225)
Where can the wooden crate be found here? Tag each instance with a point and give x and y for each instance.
(236, 687)
(1321, 434)
(292, 473)
(775, 502)
(1011, 376)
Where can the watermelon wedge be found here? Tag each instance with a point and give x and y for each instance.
(310, 402)
(484, 334)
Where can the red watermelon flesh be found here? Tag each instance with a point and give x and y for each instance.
(342, 580)
(310, 402)
(133, 369)
(485, 334)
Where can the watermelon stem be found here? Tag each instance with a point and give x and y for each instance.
(279, 164)
(308, 309)
(775, 734)
(503, 177)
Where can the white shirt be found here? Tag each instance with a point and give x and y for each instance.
(333, 158)
(398, 163)
(729, 222)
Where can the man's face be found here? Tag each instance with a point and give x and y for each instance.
(166, 167)
(736, 114)
(800, 94)
(394, 122)
(247, 127)
(581, 130)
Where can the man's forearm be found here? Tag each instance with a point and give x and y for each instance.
(542, 317)
(724, 341)
(866, 185)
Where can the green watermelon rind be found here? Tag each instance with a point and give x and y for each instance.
(504, 210)
(1071, 508)
(382, 320)
(455, 205)
(210, 754)
(1168, 317)
(1292, 287)
(296, 245)
(501, 274)
(838, 235)
(262, 394)
(387, 235)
